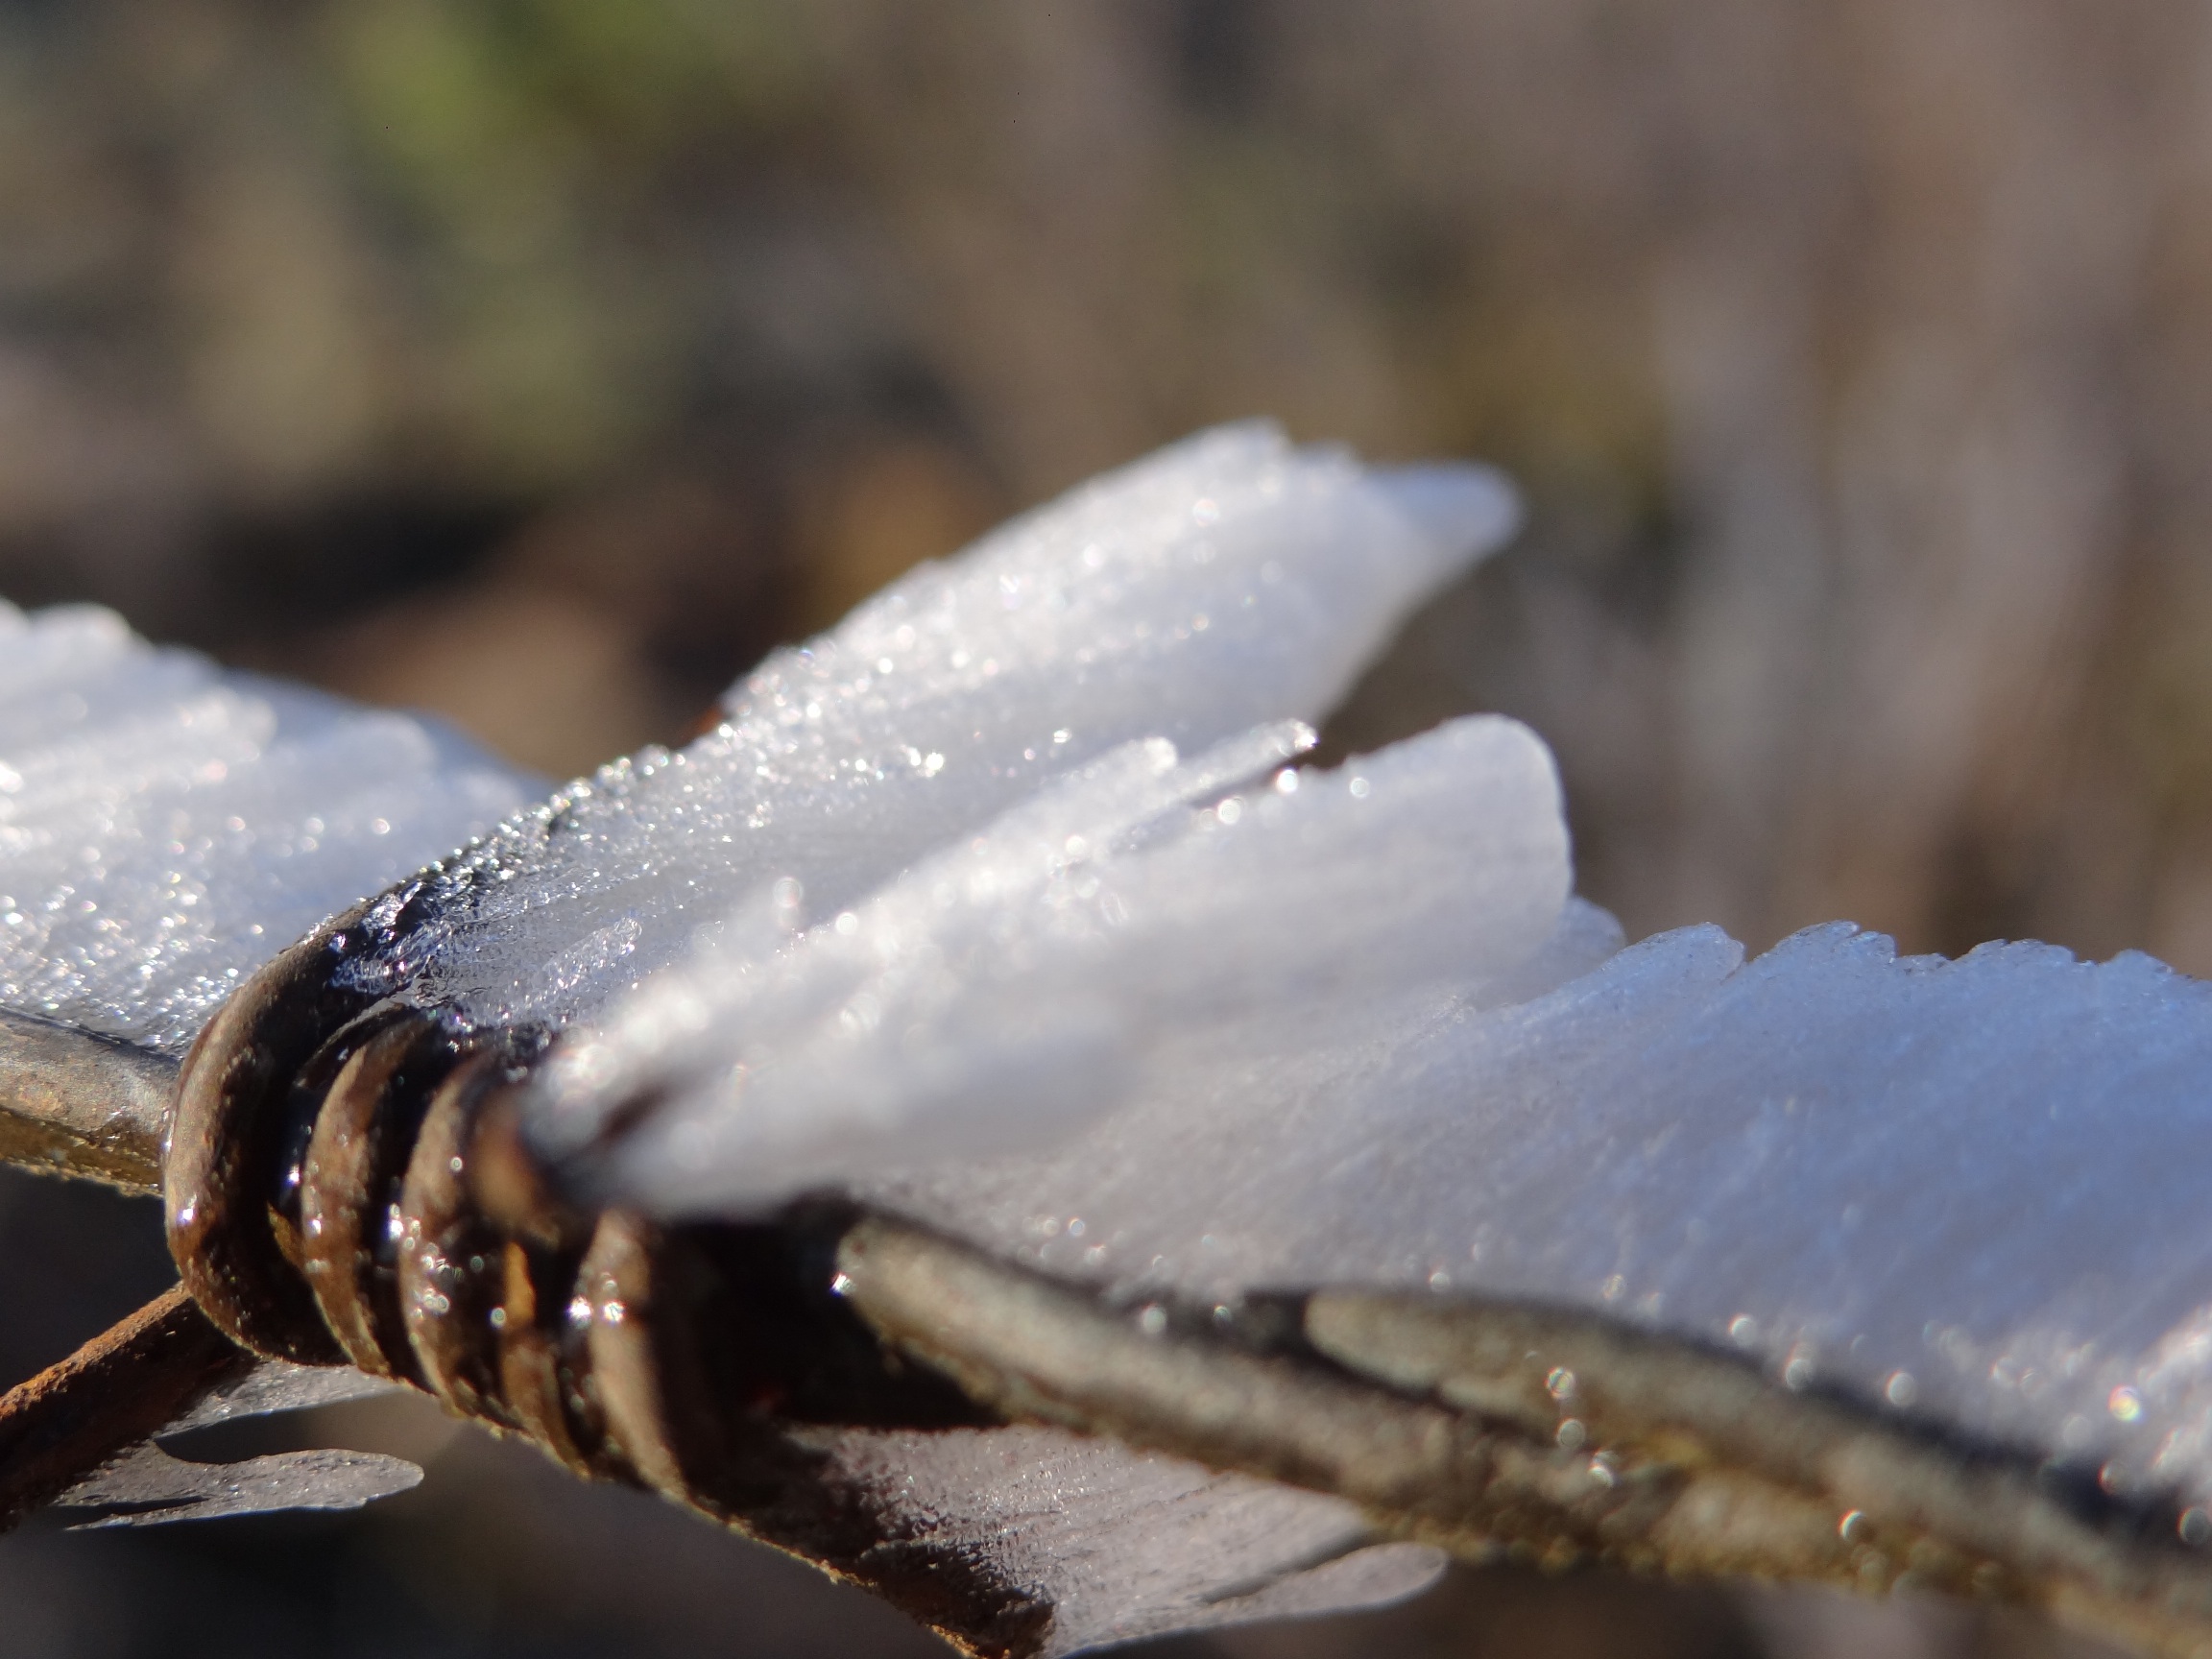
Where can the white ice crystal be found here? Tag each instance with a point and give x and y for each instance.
(1973, 1188)
(1007, 906)
(1066, 957)
(166, 827)
(1078, 732)
(1228, 582)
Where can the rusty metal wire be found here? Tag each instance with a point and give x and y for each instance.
(306, 1116)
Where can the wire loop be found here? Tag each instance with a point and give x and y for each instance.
(331, 1149)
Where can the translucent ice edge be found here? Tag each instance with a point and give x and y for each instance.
(1013, 986)
(1972, 1190)
(166, 827)
(1229, 582)
(1122, 1545)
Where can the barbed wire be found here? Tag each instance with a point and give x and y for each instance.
(1467, 1423)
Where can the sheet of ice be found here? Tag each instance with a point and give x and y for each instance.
(1122, 1545)
(1007, 988)
(1970, 1188)
(1227, 582)
(166, 827)
(1195, 604)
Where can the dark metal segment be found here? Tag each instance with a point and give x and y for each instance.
(356, 1156)
(1555, 1433)
(114, 1392)
(1049, 1352)
(536, 1378)
(221, 1174)
(452, 1263)
(694, 1359)
(76, 1103)
(1930, 1511)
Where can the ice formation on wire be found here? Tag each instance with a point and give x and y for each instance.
(1970, 1187)
(1020, 852)
(1118, 667)
(1227, 582)
(166, 827)
(1004, 989)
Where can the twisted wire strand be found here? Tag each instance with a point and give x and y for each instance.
(345, 1183)
(330, 1153)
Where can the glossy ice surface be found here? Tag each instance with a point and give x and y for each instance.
(166, 826)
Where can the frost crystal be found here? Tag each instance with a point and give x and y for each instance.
(166, 827)
(1007, 906)
(1969, 1187)
(1229, 582)
(1083, 949)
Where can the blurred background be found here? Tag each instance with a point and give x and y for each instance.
(543, 362)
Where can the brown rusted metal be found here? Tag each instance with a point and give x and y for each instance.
(1047, 1351)
(110, 1394)
(1917, 1509)
(220, 1180)
(1555, 1433)
(342, 1163)
(358, 1155)
(452, 1266)
(688, 1360)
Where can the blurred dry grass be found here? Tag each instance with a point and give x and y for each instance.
(545, 361)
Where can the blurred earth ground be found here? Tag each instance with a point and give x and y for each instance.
(543, 362)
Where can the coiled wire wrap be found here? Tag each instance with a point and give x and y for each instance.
(344, 1185)
(324, 1182)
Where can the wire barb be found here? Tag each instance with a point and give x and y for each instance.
(123, 1387)
(347, 1185)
